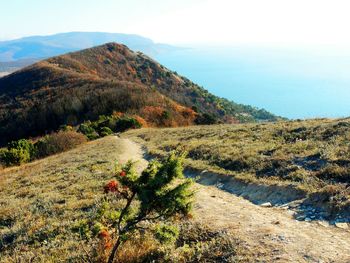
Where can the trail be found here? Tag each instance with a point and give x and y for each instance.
(272, 231)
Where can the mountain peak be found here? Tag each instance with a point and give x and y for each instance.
(78, 86)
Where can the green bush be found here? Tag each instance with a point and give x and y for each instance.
(22, 144)
(93, 136)
(126, 123)
(106, 125)
(166, 234)
(86, 128)
(18, 152)
(160, 193)
(105, 131)
(206, 119)
(66, 128)
(15, 157)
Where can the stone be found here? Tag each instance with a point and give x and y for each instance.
(291, 212)
(323, 223)
(267, 204)
(301, 217)
(342, 225)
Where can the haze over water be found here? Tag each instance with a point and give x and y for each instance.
(290, 82)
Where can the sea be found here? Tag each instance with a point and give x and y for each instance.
(292, 82)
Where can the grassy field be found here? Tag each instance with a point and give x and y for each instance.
(313, 156)
(40, 202)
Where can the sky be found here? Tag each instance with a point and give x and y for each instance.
(287, 22)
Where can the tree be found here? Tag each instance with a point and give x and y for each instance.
(159, 193)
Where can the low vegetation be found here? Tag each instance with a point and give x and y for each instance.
(150, 198)
(46, 207)
(24, 151)
(106, 125)
(58, 142)
(311, 155)
(68, 137)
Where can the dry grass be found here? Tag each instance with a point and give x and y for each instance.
(309, 155)
(40, 202)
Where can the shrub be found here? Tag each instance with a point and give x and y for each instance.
(105, 131)
(126, 123)
(206, 119)
(93, 136)
(58, 142)
(106, 125)
(85, 128)
(161, 192)
(166, 234)
(66, 128)
(18, 152)
(15, 157)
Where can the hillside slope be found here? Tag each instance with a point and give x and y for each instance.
(304, 161)
(110, 78)
(66, 188)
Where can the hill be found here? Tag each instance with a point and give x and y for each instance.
(39, 47)
(19, 53)
(52, 210)
(42, 202)
(80, 86)
(11, 66)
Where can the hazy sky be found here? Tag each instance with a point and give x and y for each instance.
(185, 21)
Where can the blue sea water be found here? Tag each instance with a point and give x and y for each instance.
(290, 82)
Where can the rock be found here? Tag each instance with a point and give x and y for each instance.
(282, 238)
(301, 217)
(267, 204)
(307, 219)
(220, 185)
(322, 223)
(342, 225)
(291, 212)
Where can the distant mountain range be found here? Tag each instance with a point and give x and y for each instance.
(15, 54)
(79, 86)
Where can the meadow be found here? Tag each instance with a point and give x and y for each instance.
(42, 202)
(311, 156)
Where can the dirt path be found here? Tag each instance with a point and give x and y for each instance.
(275, 229)
(272, 231)
(131, 151)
